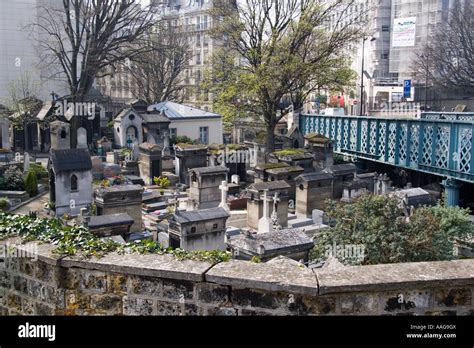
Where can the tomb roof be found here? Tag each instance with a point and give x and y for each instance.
(110, 220)
(200, 215)
(315, 176)
(70, 160)
(273, 241)
(346, 168)
(270, 185)
(293, 169)
(210, 170)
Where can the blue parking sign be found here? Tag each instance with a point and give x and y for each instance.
(407, 89)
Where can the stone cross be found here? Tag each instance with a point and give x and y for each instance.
(264, 224)
(224, 189)
(274, 217)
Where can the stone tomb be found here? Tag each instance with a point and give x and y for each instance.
(150, 162)
(111, 225)
(261, 170)
(70, 180)
(341, 173)
(121, 199)
(198, 230)
(352, 190)
(189, 157)
(287, 174)
(204, 184)
(312, 191)
(292, 243)
(414, 197)
(60, 135)
(321, 148)
(294, 157)
(255, 202)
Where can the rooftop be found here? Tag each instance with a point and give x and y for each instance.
(341, 169)
(315, 176)
(175, 111)
(273, 241)
(294, 169)
(70, 160)
(110, 220)
(200, 215)
(271, 185)
(210, 170)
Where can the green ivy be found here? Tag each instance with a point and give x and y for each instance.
(78, 240)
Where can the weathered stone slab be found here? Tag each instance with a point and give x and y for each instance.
(396, 276)
(152, 265)
(280, 274)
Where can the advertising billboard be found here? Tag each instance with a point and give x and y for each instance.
(404, 32)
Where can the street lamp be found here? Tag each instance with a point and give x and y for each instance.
(362, 102)
(425, 62)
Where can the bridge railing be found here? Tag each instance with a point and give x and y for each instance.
(449, 116)
(437, 146)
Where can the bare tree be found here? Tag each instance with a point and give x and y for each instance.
(157, 74)
(81, 38)
(283, 45)
(447, 60)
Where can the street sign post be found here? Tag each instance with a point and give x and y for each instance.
(407, 89)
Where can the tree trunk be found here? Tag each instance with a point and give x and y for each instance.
(270, 138)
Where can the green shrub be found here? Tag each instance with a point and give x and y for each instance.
(13, 179)
(39, 170)
(31, 183)
(181, 139)
(4, 204)
(376, 225)
(78, 240)
(161, 181)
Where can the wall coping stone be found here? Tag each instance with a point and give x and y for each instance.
(396, 276)
(280, 274)
(151, 265)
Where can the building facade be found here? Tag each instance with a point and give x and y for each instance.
(396, 30)
(18, 52)
(192, 17)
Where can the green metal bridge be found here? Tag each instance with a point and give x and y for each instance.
(437, 143)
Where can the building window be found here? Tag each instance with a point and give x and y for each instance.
(384, 56)
(385, 28)
(73, 182)
(214, 227)
(204, 135)
(173, 133)
(63, 133)
(193, 229)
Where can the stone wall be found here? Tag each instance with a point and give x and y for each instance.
(162, 285)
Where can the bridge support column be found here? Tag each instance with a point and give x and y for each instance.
(452, 192)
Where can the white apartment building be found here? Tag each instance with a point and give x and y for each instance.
(193, 17)
(396, 30)
(18, 50)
